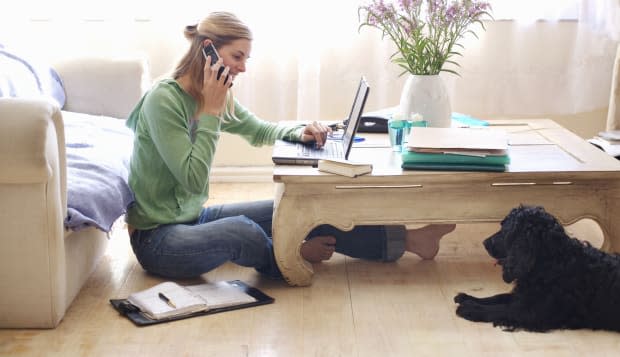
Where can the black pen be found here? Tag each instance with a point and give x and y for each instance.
(168, 301)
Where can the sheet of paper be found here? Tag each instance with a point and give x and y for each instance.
(220, 294)
(149, 301)
(458, 138)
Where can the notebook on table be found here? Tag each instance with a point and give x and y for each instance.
(291, 153)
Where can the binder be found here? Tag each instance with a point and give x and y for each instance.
(453, 167)
(126, 309)
(412, 157)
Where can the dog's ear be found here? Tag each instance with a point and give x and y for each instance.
(521, 257)
(554, 240)
(536, 236)
(522, 234)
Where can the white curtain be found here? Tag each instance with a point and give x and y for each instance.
(308, 55)
(602, 16)
(545, 60)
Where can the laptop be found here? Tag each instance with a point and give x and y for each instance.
(294, 153)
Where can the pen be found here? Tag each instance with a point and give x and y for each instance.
(168, 301)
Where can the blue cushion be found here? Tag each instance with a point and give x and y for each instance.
(21, 77)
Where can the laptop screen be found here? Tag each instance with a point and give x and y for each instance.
(356, 113)
(295, 153)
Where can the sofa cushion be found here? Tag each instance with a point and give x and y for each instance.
(26, 78)
(104, 86)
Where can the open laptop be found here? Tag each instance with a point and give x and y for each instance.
(293, 153)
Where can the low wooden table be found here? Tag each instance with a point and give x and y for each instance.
(550, 166)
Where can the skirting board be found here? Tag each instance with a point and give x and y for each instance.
(242, 174)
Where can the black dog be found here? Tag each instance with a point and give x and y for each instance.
(560, 282)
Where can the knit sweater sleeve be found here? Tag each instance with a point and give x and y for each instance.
(259, 132)
(187, 156)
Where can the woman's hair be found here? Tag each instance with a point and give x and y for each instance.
(221, 28)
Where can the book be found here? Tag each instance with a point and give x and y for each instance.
(479, 141)
(344, 167)
(612, 135)
(413, 157)
(465, 121)
(169, 301)
(453, 167)
(612, 147)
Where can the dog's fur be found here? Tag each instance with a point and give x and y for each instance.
(560, 282)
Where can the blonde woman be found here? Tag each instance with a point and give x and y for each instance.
(177, 125)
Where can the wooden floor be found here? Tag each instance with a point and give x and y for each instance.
(353, 308)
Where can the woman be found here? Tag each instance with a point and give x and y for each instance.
(177, 125)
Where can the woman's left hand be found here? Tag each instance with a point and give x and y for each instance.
(316, 132)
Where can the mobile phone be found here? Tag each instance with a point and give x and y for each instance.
(209, 50)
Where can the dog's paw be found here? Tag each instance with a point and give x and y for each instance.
(464, 311)
(461, 297)
(471, 311)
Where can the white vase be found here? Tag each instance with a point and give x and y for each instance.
(426, 95)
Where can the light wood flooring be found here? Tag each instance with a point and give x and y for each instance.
(353, 308)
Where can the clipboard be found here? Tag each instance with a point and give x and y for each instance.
(126, 309)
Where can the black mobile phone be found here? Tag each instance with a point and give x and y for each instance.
(209, 50)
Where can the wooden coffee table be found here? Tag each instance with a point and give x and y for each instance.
(550, 166)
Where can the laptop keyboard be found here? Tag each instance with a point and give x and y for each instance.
(331, 149)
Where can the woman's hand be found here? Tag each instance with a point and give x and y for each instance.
(213, 89)
(316, 132)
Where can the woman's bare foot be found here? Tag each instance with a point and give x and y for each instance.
(425, 241)
(317, 249)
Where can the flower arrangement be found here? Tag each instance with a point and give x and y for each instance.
(426, 32)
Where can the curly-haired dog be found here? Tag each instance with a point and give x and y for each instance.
(560, 282)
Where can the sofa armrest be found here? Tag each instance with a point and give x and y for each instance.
(31, 141)
(32, 211)
(103, 86)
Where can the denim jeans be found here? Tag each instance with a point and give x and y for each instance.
(241, 233)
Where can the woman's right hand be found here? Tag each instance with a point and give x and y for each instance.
(214, 90)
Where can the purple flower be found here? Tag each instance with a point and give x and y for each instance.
(476, 8)
(424, 31)
(452, 12)
(405, 5)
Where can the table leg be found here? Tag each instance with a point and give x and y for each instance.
(610, 226)
(290, 227)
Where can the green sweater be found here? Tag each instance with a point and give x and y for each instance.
(172, 153)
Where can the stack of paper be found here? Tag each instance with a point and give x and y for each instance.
(456, 149)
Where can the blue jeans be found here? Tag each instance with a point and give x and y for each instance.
(241, 233)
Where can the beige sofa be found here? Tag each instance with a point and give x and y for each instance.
(43, 266)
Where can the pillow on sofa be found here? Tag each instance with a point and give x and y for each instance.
(21, 77)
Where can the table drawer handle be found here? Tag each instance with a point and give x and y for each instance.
(531, 183)
(357, 187)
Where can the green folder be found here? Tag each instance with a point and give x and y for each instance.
(412, 157)
(453, 167)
